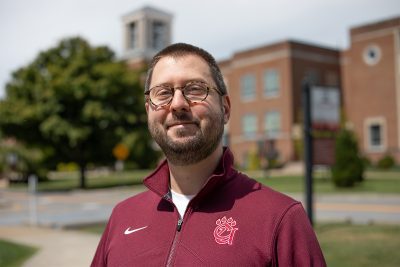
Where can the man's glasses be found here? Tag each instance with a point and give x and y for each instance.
(194, 92)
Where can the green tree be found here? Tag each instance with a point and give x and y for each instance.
(349, 167)
(18, 162)
(76, 102)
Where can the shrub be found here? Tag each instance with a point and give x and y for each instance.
(253, 161)
(67, 167)
(366, 162)
(349, 166)
(386, 162)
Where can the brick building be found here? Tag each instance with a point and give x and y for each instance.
(265, 89)
(371, 87)
(264, 85)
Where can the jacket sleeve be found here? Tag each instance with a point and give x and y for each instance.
(99, 259)
(295, 242)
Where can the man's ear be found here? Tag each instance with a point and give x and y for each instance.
(226, 108)
(147, 107)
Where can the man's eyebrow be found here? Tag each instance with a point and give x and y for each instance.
(197, 80)
(162, 85)
(184, 83)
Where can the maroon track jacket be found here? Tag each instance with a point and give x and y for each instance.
(232, 221)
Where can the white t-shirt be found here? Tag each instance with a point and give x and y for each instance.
(181, 201)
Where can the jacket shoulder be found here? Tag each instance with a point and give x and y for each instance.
(256, 191)
(139, 200)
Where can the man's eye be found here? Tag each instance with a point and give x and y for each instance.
(163, 93)
(195, 90)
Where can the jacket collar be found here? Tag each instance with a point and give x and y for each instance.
(158, 181)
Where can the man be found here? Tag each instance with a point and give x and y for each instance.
(199, 210)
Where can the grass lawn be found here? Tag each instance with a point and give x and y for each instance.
(70, 181)
(94, 229)
(348, 245)
(375, 182)
(295, 184)
(13, 255)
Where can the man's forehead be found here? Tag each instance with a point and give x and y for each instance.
(183, 66)
(182, 58)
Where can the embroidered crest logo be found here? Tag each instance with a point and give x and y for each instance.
(225, 231)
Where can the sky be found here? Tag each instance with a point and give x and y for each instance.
(222, 27)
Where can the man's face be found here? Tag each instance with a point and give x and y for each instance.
(187, 132)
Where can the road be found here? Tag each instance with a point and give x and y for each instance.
(68, 209)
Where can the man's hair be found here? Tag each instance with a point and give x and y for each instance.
(180, 50)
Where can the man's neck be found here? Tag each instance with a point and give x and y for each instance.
(189, 179)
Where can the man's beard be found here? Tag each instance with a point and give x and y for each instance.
(189, 149)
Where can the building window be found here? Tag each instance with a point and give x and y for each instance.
(372, 55)
(226, 136)
(272, 124)
(159, 35)
(248, 87)
(313, 76)
(133, 36)
(249, 125)
(271, 83)
(375, 134)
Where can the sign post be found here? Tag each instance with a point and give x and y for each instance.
(32, 188)
(325, 108)
(321, 106)
(121, 152)
(308, 149)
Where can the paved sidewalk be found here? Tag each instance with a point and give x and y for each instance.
(55, 212)
(61, 209)
(61, 248)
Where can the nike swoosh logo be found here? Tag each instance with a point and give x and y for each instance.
(128, 231)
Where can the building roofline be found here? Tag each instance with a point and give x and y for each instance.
(374, 26)
(288, 43)
(147, 9)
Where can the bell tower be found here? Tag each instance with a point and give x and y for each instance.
(146, 31)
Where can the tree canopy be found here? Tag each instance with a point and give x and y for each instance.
(77, 103)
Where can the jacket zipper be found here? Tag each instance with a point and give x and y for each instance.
(173, 247)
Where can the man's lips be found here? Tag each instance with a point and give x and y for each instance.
(177, 123)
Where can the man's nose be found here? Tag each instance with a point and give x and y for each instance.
(179, 102)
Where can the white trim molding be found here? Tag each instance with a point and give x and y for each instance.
(396, 34)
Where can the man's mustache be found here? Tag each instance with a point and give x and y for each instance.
(181, 118)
